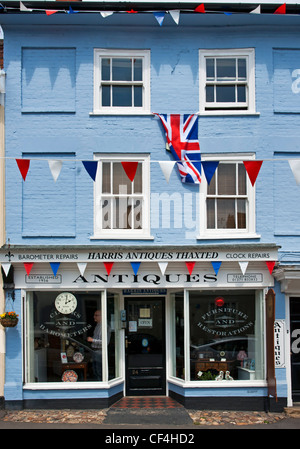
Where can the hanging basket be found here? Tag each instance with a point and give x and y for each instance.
(9, 319)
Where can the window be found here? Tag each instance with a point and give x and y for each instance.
(122, 206)
(65, 337)
(122, 81)
(227, 81)
(228, 202)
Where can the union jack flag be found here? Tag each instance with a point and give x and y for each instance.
(182, 137)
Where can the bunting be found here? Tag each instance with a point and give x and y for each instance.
(28, 267)
(55, 267)
(252, 168)
(108, 266)
(190, 266)
(130, 169)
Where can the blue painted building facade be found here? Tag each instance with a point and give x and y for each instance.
(187, 277)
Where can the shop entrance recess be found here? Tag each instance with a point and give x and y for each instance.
(295, 347)
(145, 346)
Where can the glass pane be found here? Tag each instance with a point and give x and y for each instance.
(113, 323)
(177, 336)
(226, 68)
(106, 213)
(137, 214)
(241, 94)
(242, 69)
(210, 94)
(226, 214)
(121, 182)
(242, 186)
(210, 68)
(241, 214)
(105, 95)
(138, 69)
(122, 96)
(211, 188)
(138, 96)
(105, 66)
(137, 182)
(106, 177)
(122, 210)
(226, 179)
(210, 214)
(225, 94)
(225, 335)
(121, 70)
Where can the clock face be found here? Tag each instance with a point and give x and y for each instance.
(66, 303)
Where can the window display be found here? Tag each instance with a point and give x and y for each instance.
(65, 336)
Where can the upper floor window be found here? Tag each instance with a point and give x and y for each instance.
(228, 202)
(227, 81)
(121, 81)
(121, 205)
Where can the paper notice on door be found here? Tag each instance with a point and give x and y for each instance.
(132, 326)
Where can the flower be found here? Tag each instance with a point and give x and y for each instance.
(9, 315)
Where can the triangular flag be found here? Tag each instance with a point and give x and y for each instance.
(159, 17)
(209, 168)
(23, 165)
(167, 167)
(175, 14)
(108, 267)
(106, 13)
(6, 268)
(135, 266)
(243, 266)
(295, 167)
(256, 10)
(252, 168)
(81, 267)
(91, 168)
(49, 12)
(190, 266)
(28, 266)
(281, 9)
(55, 168)
(71, 11)
(270, 266)
(23, 7)
(162, 266)
(216, 266)
(200, 8)
(130, 169)
(55, 267)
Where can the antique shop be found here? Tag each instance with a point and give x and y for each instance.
(98, 325)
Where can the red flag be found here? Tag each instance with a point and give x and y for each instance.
(130, 169)
(49, 12)
(270, 266)
(23, 165)
(252, 168)
(281, 9)
(200, 8)
(28, 266)
(108, 267)
(190, 266)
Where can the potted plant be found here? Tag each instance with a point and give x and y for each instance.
(9, 319)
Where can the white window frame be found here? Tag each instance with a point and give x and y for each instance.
(215, 108)
(115, 110)
(132, 234)
(250, 230)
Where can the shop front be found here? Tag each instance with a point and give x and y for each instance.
(95, 326)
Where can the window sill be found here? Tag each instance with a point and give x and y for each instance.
(221, 383)
(228, 236)
(72, 385)
(122, 237)
(118, 112)
(228, 113)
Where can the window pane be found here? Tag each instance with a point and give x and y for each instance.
(210, 68)
(121, 182)
(137, 182)
(106, 213)
(105, 65)
(122, 96)
(241, 214)
(122, 210)
(138, 99)
(113, 350)
(210, 94)
(226, 68)
(210, 213)
(177, 329)
(105, 95)
(242, 189)
(226, 179)
(242, 69)
(137, 69)
(137, 214)
(226, 214)
(225, 94)
(241, 94)
(121, 70)
(211, 188)
(106, 177)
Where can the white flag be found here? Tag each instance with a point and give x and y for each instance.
(81, 267)
(167, 167)
(295, 167)
(175, 14)
(243, 266)
(55, 168)
(162, 266)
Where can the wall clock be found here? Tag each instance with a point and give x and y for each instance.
(66, 303)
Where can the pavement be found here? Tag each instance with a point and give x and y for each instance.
(145, 416)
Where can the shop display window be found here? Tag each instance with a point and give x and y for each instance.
(67, 339)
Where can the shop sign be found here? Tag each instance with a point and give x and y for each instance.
(144, 291)
(279, 332)
(43, 279)
(252, 278)
(225, 321)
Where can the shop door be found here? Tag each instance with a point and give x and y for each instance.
(295, 347)
(145, 346)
